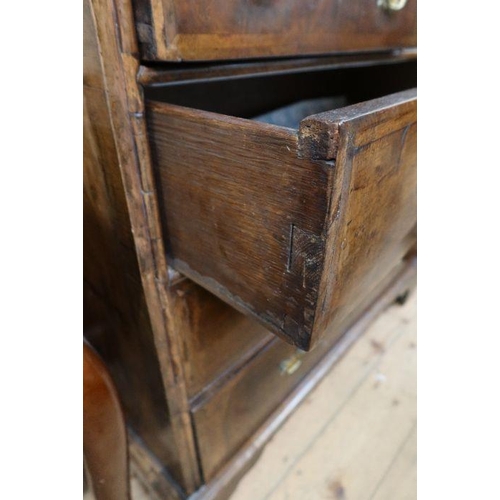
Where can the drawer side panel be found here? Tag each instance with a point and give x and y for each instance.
(244, 217)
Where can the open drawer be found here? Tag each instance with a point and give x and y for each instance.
(295, 226)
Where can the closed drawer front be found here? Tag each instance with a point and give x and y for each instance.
(295, 227)
(174, 30)
(216, 338)
(224, 422)
(229, 418)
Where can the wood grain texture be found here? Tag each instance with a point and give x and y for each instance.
(245, 191)
(175, 30)
(150, 472)
(218, 339)
(373, 227)
(273, 226)
(116, 319)
(225, 422)
(236, 411)
(129, 317)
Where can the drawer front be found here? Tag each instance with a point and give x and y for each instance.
(229, 418)
(216, 339)
(294, 227)
(372, 223)
(232, 415)
(174, 30)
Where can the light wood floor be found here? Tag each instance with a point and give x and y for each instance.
(354, 437)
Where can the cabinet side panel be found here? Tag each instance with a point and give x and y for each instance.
(116, 321)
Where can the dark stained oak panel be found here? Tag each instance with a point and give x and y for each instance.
(374, 227)
(255, 211)
(217, 339)
(116, 319)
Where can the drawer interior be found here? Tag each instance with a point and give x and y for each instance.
(305, 93)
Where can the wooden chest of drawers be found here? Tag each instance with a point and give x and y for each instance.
(240, 213)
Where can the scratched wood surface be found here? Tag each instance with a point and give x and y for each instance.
(116, 321)
(250, 201)
(354, 437)
(373, 223)
(296, 227)
(216, 29)
(125, 307)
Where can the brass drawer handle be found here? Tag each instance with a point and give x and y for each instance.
(392, 4)
(290, 365)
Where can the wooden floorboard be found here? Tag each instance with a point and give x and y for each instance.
(400, 482)
(348, 438)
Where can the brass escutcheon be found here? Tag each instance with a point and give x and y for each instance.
(290, 365)
(391, 4)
